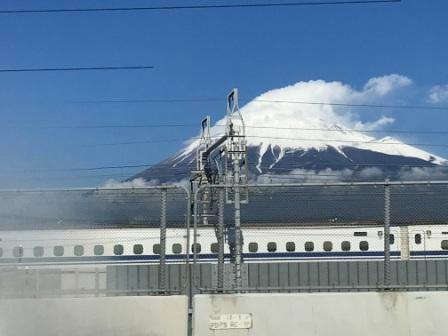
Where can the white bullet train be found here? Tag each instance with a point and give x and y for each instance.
(261, 244)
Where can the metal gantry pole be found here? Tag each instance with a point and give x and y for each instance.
(387, 265)
(221, 240)
(238, 242)
(162, 266)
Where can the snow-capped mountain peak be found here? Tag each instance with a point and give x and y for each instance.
(286, 130)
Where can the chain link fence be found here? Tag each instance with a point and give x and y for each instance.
(78, 242)
(314, 237)
(301, 237)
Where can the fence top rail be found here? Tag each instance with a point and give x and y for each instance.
(85, 189)
(325, 184)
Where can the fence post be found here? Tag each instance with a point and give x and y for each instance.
(387, 265)
(162, 266)
(221, 240)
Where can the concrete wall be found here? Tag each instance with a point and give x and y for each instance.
(107, 316)
(328, 314)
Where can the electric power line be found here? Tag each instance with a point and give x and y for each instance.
(382, 106)
(137, 67)
(262, 101)
(350, 141)
(247, 126)
(142, 142)
(180, 169)
(121, 126)
(350, 130)
(196, 7)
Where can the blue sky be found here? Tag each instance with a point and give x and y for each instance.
(196, 54)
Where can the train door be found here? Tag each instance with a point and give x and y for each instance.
(395, 242)
(417, 243)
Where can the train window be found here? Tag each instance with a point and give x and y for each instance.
(444, 244)
(309, 246)
(360, 234)
(253, 247)
(58, 251)
(391, 239)
(138, 249)
(272, 247)
(38, 251)
(78, 250)
(196, 248)
(214, 247)
(328, 246)
(345, 246)
(156, 249)
(177, 248)
(17, 252)
(118, 249)
(98, 250)
(290, 246)
(418, 238)
(364, 245)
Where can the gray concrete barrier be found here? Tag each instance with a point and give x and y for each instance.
(322, 314)
(107, 316)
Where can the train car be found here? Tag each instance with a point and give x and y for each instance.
(260, 244)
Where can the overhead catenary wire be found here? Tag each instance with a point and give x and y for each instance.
(197, 7)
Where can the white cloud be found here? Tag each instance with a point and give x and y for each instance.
(142, 183)
(438, 94)
(424, 173)
(286, 108)
(326, 175)
(384, 85)
(135, 183)
(375, 125)
(306, 176)
(371, 173)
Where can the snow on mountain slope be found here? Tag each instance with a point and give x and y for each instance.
(392, 146)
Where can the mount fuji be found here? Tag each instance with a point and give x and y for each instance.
(313, 130)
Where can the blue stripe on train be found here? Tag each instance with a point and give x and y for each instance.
(206, 257)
